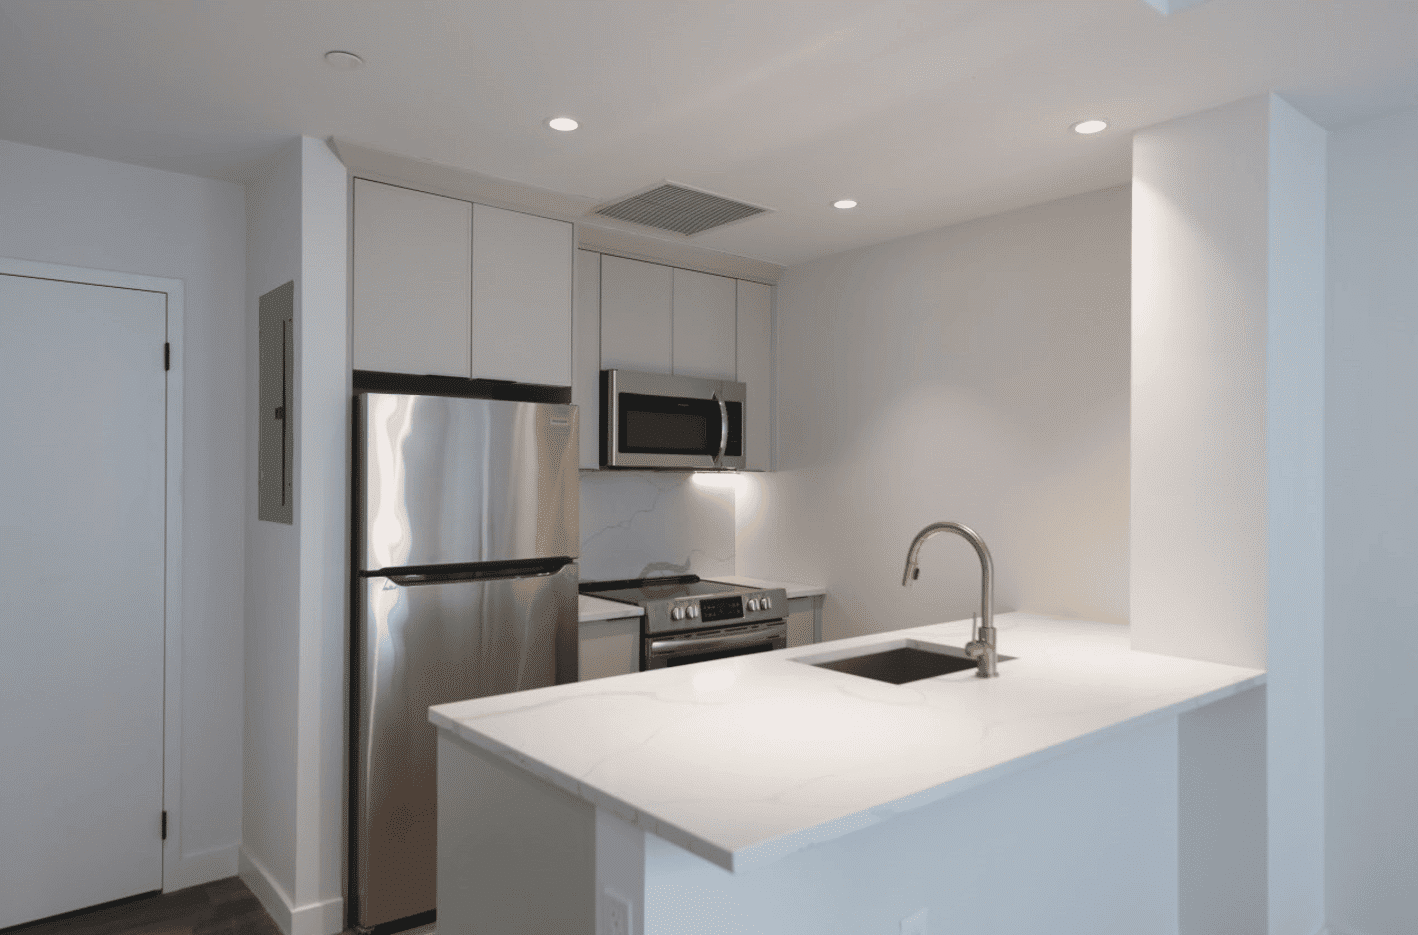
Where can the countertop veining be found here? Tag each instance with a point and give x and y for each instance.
(744, 760)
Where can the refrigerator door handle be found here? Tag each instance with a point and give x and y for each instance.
(413, 575)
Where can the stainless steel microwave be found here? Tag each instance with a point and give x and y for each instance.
(658, 421)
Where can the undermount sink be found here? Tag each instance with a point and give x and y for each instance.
(904, 663)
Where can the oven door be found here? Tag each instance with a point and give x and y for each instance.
(653, 420)
(700, 646)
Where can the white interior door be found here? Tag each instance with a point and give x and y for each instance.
(81, 594)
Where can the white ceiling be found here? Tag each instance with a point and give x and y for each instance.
(927, 113)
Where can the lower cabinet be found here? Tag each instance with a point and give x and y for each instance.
(800, 621)
(609, 647)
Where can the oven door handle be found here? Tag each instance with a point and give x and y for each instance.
(723, 431)
(710, 644)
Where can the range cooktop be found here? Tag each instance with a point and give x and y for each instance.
(640, 590)
(686, 602)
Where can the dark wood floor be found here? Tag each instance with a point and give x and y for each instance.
(225, 907)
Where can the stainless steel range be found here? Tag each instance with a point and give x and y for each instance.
(689, 620)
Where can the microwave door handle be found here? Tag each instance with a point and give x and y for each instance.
(723, 431)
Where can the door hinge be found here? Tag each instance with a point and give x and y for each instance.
(167, 356)
(164, 825)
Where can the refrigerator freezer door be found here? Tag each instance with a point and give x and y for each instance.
(443, 480)
(430, 644)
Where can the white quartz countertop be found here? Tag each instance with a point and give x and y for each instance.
(597, 608)
(747, 759)
(793, 588)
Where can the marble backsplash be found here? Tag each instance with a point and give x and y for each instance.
(636, 524)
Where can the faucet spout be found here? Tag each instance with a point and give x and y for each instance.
(981, 648)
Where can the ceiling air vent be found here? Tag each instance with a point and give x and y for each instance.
(671, 207)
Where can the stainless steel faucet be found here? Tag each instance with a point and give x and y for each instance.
(981, 648)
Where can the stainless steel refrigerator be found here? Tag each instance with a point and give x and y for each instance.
(466, 532)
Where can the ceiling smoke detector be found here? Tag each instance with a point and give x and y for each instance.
(678, 208)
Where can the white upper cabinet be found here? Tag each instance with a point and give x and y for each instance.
(660, 319)
(446, 287)
(586, 354)
(755, 370)
(703, 325)
(412, 281)
(521, 297)
(637, 300)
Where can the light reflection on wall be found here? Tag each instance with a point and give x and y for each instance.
(749, 495)
(652, 523)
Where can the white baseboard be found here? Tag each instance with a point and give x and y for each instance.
(322, 918)
(268, 891)
(215, 863)
(319, 918)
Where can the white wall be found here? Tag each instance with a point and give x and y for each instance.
(296, 582)
(977, 373)
(1371, 517)
(79, 211)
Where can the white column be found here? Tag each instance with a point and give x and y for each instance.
(1372, 527)
(322, 497)
(292, 850)
(1227, 438)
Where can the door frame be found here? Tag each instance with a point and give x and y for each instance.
(172, 571)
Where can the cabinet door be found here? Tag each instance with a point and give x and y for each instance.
(412, 280)
(800, 613)
(586, 354)
(609, 647)
(521, 297)
(755, 369)
(704, 325)
(636, 303)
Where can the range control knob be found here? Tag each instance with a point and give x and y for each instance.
(753, 605)
(677, 613)
(693, 611)
(766, 604)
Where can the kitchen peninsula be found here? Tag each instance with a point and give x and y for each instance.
(763, 793)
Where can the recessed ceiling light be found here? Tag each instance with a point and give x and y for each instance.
(1090, 126)
(564, 124)
(844, 204)
(344, 61)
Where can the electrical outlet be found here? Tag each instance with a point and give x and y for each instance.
(615, 914)
(915, 924)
